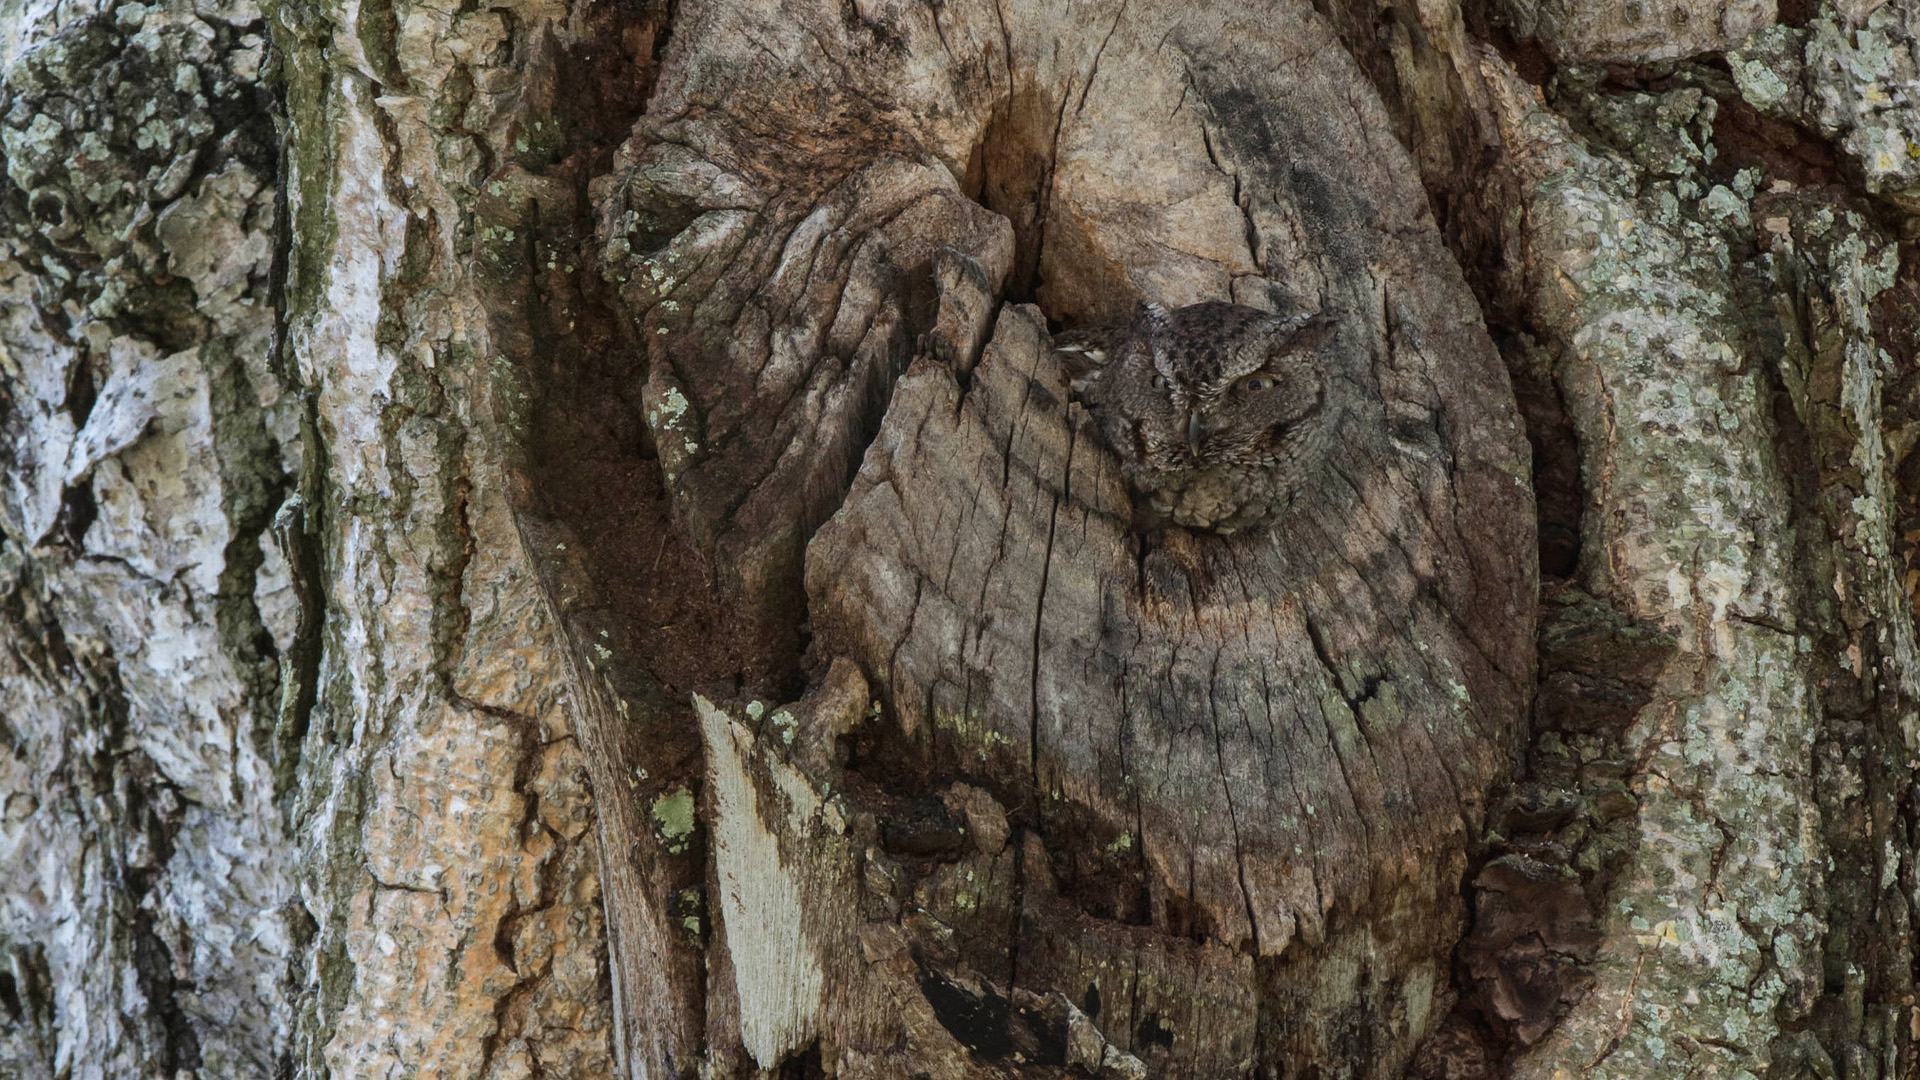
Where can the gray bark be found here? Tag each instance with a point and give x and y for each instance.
(550, 540)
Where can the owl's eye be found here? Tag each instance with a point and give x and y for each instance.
(1160, 381)
(1254, 384)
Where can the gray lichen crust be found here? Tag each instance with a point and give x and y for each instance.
(1712, 333)
(146, 443)
(1851, 75)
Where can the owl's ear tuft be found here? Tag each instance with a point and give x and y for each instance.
(1083, 353)
(1079, 357)
(1088, 349)
(1149, 315)
(1305, 331)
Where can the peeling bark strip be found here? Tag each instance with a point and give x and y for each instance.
(777, 970)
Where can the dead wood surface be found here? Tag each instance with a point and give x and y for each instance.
(1231, 780)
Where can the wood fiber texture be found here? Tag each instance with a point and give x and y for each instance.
(1235, 777)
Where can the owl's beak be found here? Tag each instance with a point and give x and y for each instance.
(1194, 431)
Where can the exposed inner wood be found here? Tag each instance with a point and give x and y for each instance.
(1257, 759)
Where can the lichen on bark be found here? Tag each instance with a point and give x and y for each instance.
(146, 447)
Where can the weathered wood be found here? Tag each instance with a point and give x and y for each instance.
(1629, 31)
(1262, 755)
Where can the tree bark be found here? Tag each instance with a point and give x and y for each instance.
(551, 540)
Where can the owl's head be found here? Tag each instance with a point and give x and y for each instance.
(1214, 384)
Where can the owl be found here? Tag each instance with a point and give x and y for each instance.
(1219, 413)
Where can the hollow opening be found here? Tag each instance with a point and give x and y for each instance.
(1798, 13)
(1010, 172)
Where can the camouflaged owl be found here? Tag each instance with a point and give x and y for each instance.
(1219, 413)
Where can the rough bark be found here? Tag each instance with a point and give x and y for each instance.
(147, 444)
(549, 540)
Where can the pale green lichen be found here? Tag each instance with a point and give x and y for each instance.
(1658, 372)
(673, 819)
(671, 428)
(1758, 83)
(689, 905)
(1849, 79)
(969, 729)
(1727, 208)
(1767, 68)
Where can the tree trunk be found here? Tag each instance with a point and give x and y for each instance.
(552, 540)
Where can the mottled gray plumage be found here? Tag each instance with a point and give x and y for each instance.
(1218, 413)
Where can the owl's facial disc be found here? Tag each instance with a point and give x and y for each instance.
(1218, 412)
